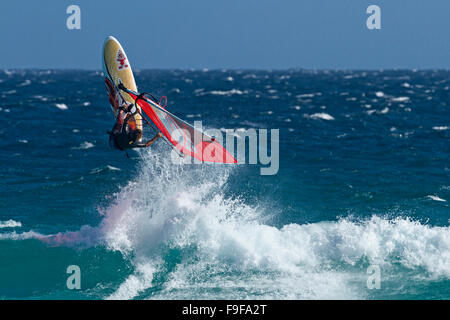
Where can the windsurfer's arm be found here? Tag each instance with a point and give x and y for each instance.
(149, 142)
(156, 137)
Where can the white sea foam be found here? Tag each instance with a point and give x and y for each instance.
(320, 115)
(305, 95)
(436, 198)
(400, 99)
(85, 145)
(198, 115)
(441, 128)
(223, 93)
(21, 236)
(246, 258)
(102, 169)
(61, 106)
(10, 224)
(112, 168)
(39, 97)
(25, 83)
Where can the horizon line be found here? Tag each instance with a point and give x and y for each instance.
(231, 69)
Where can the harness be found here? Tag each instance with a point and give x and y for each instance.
(127, 125)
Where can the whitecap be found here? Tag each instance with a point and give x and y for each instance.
(198, 115)
(10, 224)
(39, 97)
(61, 106)
(224, 93)
(305, 95)
(25, 83)
(108, 167)
(113, 168)
(85, 145)
(320, 115)
(436, 198)
(441, 128)
(400, 99)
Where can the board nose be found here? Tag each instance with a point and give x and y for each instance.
(110, 38)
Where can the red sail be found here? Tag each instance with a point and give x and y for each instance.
(184, 137)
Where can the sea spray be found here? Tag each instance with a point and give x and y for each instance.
(220, 244)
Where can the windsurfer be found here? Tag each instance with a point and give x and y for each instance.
(125, 134)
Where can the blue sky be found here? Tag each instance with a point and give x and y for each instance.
(261, 34)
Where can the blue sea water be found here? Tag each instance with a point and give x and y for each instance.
(363, 181)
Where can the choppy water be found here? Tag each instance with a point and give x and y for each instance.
(364, 180)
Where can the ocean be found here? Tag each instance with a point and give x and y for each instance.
(362, 189)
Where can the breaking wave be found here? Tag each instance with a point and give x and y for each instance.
(186, 240)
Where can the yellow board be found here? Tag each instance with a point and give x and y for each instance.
(117, 68)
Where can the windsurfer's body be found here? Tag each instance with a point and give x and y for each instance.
(125, 134)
